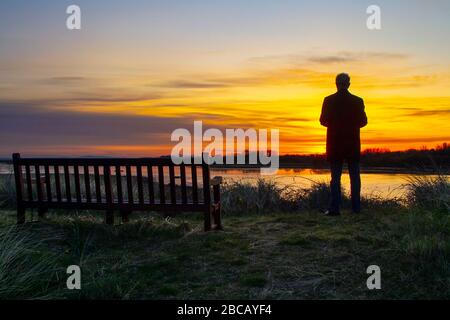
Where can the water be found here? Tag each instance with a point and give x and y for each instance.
(385, 185)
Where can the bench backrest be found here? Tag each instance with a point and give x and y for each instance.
(106, 182)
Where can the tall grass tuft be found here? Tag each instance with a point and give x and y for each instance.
(267, 196)
(25, 272)
(241, 197)
(429, 192)
(7, 191)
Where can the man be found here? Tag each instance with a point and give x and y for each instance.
(343, 114)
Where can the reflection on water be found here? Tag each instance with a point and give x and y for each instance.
(385, 185)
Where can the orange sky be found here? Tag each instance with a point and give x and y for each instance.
(121, 89)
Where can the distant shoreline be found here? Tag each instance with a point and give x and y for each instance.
(364, 169)
(391, 170)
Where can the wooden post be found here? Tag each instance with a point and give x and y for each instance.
(217, 210)
(98, 191)
(206, 197)
(183, 184)
(67, 183)
(19, 188)
(162, 195)
(48, 184)
(129, 185)
(58, 184)
(119, 185)
(194, 184)
(140, 185)
(87, 183)
(108, 194)
(29, 183)
(172, 187)
(151, 192)
(76, 174)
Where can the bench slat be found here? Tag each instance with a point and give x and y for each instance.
(162, 192)
(67, 183)
(57, 183)
(194, 184)
(183, 184)
(108, 188)
(151, 192)
(29, 183)
(206, 180)
(108, 194)
(206, 196)
(37, 175)
(87, 183)
(48, 184)
(173, 196)
(76, 172)
(119, 184)
(18, 177)
(129, 184)
(98, 190)
(140, 184)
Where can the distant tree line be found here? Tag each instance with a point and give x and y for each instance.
(437, 158)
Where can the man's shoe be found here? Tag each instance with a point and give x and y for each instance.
(330, 213)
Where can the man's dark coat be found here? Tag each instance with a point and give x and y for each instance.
(343, 114)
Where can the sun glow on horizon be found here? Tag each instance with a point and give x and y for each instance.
(122, 88)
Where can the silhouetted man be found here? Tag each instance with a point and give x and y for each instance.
(343, 114)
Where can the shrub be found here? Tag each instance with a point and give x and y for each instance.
(429, 192)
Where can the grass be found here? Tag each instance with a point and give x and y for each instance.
(276, 245)
(242, 197)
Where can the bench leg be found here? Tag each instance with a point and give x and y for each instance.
(20, 215)
(207, 222)
(110, 217)
(125, 214)
(217, 217)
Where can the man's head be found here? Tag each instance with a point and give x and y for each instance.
(342, 81)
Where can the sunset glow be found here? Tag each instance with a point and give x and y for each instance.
(134, 73)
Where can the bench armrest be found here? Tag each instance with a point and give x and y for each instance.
(216, 181)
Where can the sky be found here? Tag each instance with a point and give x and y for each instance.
(137, 70)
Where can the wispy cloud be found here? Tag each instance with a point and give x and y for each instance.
(425, 113)
(330, 58)
(186, 84)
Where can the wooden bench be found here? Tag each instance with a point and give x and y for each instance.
(116, 184)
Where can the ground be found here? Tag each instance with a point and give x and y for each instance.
(301, 255)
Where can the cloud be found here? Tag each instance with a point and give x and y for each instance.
(25, 127)
(80, 99)
(66, 79)
(424, 113)
(334, 58)
(330, 59)
(183, 84)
